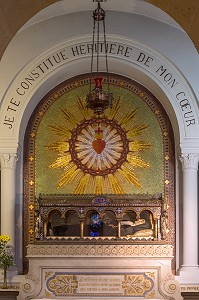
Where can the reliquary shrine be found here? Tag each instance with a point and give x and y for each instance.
(60, 217)
(99, 196)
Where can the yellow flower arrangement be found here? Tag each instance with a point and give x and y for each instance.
(6, 257)
(6, 254)
(4, 238)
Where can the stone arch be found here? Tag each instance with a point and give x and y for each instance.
(160, 80)
(132, 58)
(155, 69)
(175, 10)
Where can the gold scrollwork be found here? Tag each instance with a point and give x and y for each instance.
(137, 285)
(62, 285)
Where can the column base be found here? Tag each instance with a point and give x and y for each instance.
(188, 275)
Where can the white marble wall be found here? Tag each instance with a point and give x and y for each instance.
(100, 271)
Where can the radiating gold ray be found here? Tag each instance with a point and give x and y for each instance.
(114, 154)
(82, 108)
(110, 157)
(103, 166)
(136, 162)
(127, 118)
(91, 131)
(85, 158)
(98, 185)
(61, 131)
(115, 139)
(128, 166)
(99, 162)
(106, 132)
(118, 148)
(115, 185)
(77, 178)
(83, 149)
(91, 185)
(136, 146)
(87, 134)
(129, 176)
(59, 146)
(83, 183)
(111, 133)
(60, 162)
(68, 176)
(86, 183)
(119, 116)
(107, 186)
(106, 161)
(122, 178)
(92, 160)
(111, 113)
(69, 166)
(84, 141)
(136, 130)
(70, 118)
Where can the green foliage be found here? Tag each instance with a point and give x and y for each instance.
(6, 254)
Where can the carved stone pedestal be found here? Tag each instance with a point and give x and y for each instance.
(8, 294)
(92, 271)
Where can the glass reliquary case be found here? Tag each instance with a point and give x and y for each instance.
(79, 218)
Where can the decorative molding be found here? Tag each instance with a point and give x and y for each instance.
(164, 251)
(172, 286)
(112, 198)
(8, 160)
(29, 284)
(56, 286)
(139, 284)
(190, 161)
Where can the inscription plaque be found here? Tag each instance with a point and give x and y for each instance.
(137, 284)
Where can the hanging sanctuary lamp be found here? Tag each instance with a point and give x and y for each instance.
(98, 99)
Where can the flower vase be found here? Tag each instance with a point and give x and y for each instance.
(5, 284)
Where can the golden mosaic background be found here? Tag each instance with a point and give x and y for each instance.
(64, 116)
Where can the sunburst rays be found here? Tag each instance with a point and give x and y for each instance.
(89, 171)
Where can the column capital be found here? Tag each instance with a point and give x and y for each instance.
(8, 160)
(189, 160)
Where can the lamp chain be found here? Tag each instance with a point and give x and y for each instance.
(93, 44)
(106, 57)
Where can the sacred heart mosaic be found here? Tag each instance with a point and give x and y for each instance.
(99, 151)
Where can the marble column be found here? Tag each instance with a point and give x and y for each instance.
(189, 272)
(8, 195)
